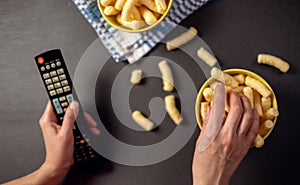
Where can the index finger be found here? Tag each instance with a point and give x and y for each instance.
(215, 119)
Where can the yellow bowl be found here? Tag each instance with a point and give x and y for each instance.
(112, 20)
(233, 72)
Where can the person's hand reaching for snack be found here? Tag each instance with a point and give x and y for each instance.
(217, 162)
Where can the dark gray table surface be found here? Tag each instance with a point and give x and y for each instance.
(235, 30)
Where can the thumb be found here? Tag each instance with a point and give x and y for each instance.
(70, 117)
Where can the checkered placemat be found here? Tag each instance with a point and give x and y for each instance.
(133, 46)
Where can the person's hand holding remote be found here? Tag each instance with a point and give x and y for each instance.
(59, 140)
(59, 144)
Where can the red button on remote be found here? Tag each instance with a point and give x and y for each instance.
(41, 60)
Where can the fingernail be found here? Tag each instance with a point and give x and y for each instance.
(74, 106)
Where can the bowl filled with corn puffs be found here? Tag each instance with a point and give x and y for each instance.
(134, 15)
(241, 81)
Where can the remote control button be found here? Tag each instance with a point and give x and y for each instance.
(47, 67)
(52, 93)
(57, 106)
(58, 63)
(53, 73)
(65, 109)
(41, 60)
(60, 71)
(46, 75)
(82, 141)
(67, 88)
(57, 85)
(53, 65)
(62, 77)
(59, 91)
(64, 83)
(55, 79)
(48, 81)
(50, 87)
(43, 68)
(63, 98)
(65, 104)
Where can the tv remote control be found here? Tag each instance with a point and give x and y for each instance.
(58, 84)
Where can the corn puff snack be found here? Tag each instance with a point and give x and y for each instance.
(271, 60)
(136, 76)
(148, 15)
(110, 10)
(259, 141)
(240, 78)
(258, 86)
(266, 103)
(172, 110)
(161, 5)
(167, 77)
(119, 4)
(257, 103)
(142, 120)
(270, 114)
(208, 58)
(106, 3)
(208, 94)
(265, 127)
(127, 10)
(223, 77)
(181, 39)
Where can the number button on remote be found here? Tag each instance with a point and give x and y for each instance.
(60, 71)
(52, 93)
(59, 91)
(63, 98)
(50, 87)
(48, 81)
(46, 75)
(67, 88)
(62, 77)
(64, 83)
(57, 85)
(55, 79)
(53, 73)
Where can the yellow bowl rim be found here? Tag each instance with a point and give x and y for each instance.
(235, 71)
(130, 30)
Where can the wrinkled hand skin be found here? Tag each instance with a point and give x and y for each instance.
(217, 163)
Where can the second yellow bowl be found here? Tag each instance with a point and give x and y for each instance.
(233, 72)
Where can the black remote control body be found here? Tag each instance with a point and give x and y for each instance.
(58, 84)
